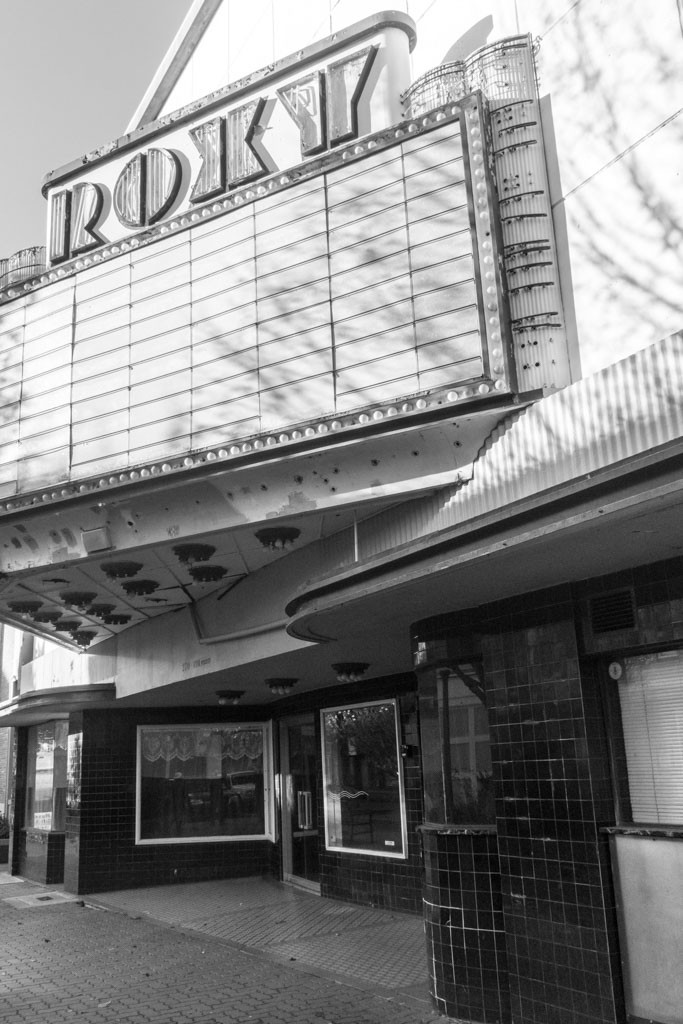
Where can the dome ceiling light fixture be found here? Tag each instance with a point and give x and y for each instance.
(277, 538)
(83, 637)
(25, 607)
(120, 570)
(229, 697)
(116, 619)
(190, 553)
(47, 617)
(281, 686)
(68, 625)
(350, 671)
(80, 599)
(207, 573)
(100, 611)
(139, 588)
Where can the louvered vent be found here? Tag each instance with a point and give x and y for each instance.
(612, 612)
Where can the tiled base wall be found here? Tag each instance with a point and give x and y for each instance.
(466, 949)
(41, 856)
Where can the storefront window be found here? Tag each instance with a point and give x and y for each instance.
(457, 770)
(203, 782)
(46, 776)
(364, 804)
(651, 701)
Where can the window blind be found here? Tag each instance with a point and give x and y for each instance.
(651, 699)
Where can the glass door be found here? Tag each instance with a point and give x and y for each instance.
(299, 765)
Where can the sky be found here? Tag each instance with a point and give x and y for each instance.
(72, 73)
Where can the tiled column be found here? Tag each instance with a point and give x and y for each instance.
(559, 920)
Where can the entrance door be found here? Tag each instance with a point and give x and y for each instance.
(299, 762)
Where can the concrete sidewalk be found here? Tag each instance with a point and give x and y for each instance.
(227, 952)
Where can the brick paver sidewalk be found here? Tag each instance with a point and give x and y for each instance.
(70, 961)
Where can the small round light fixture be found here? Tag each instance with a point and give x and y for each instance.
(281, 687)
(120, 570)
(189, 553)
(229, 697)
(277, 538)
(350, 671)
(139, 588)
(207, 573)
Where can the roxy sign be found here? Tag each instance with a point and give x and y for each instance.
(239, 144)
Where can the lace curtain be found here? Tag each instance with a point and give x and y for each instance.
(185, 743)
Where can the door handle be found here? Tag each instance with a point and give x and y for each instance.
(304, 809)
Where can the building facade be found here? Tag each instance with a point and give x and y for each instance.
(330, 566)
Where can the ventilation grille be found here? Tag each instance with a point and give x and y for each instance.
(612, 612)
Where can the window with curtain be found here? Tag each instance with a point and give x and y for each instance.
(651, 701)
(200, 783)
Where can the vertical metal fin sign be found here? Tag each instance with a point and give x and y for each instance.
(86, 206)
(129, 191)
(58, 241)
(209, 140)
(304, 101)
(243, 164)
(345, 82)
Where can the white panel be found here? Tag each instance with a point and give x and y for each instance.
(51, 370)
(101, 325)
(448, 325)
(164, 364)
(102, 385)
(291, 255)
(297, 298)
(299, 368)
(290, 325)
(441, 275)
(160, 257)
(160, 430)
(52, 399)
(371, 298)
(289, 206)
(292, 231)
(454, 246)
(365, 177)
(99, 280)
(292, 277)
(160, 325)
(114, 341)
(369, 249)
(442, 299)
(104, 303)
(100, 403)
(378, 320)
(299, 401)
(48, 343)
(35, 441)
(375, 347)
(158, 284)
(224, 276)
(149, 348)
(168, 387)
(235, 228)
(226, 389)
(239, 410)
(368, 275)
(115, 422)
(45, 325)
(161, 302)
(99, 446)
(364, 206)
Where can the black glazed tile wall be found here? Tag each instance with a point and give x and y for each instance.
(464, 926)
(552, 797)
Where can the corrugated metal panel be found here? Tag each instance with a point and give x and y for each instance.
(625, 410)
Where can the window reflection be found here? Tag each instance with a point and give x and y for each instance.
(46, 776)
(457, 769)
(364, 808)
(200, 782)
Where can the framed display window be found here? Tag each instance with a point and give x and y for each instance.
(46, 772)
(204, 783)
(363, 780)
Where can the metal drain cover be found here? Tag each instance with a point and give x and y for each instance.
(39, 899)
